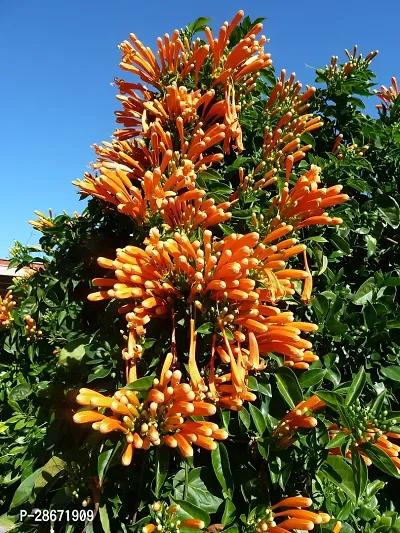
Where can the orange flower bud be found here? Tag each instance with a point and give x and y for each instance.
(82, 417)
(127, 455)
(193, 523)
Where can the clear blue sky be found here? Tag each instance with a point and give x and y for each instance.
(57, 59)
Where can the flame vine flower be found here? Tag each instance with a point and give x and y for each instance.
(293, 517)
(7, 304)
(300, 417)
(239, 272)
(388, 96)
(162, 418)
(165, 519)
(184, 124)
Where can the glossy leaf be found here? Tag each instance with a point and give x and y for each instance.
(380, 459)
(288, 386)
(356, 387)
(365, 292)
(188, 510)
(141, 384)
(258, 418)
(360, 473)
(162, 464)
(222, 469)
(24, 491)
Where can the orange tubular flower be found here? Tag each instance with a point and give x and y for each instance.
(283, 140)
(43, 222)
(296, 517)
(299, 417)
(7, 304)
(388, 96)
(177, 56)
(236, 271)
(162, 418)
(180, 106)
(140, 182)
(305, 204)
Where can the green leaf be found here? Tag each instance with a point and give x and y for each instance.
(263, 447)
(316, 238)
(49, 471)
(232, 529)
(258, 418)
(14, 406)
(226, 229)
(199, 492)
(141, 384)
(7, 525)
(391, 282)
(205, 328)
(244, 416)
(339, 439)
(307, 138)
(324, 265)
(391, 372)
(229, 513)
(378, 403)
(222, 469)
(365, 292)
(105, 521)
(103, 462)
(198, 25)
(379, 458)
(340, 243)
(371, 245)
(20, 392)
(210, 175)
(338, 471)
(73, 351)
(188, 510)
(242, 214)
(360, 473)
(388, 209)
(288, 386)
(28, 306)
(356, 387)
(312, 377)
(332, 399)
(393, 324)
(162, 463)
(99, 373)
(23, 492)
(62, 316)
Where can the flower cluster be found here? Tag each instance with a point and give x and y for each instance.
(31, 329)
(295, 516)
(162, 418)
(285, 433)
(182, 126)
(388, 96)
(43, 221)
(366, 426)
(165, 519)
(7, 304)
(241, 274)
(342, 151)
(341, 72)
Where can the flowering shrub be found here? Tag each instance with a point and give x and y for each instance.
(171, 367)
